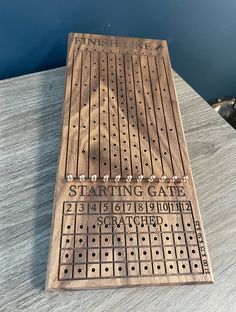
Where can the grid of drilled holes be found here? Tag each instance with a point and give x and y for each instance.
(92, 251)
(122, 125)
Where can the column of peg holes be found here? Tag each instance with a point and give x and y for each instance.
(117, 123)
(89, 250)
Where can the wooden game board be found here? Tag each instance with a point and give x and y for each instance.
(125, 209)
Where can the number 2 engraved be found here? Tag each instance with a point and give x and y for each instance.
(68, 207)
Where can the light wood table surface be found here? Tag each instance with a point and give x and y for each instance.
(30, 113)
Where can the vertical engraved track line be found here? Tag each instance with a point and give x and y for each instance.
(126, 256)
(100, 249)
(68, 131)
(89, 140)
(87, 253)
(108, 105)
(126, 89)
(62, 223)
(145, 108)
(113, 252)
(176, 130)
(118, 113)
(138, 244)
(136, 105)
(78, 150)
(190, 267)
(99, 130)
(163, 249)
(73, 261)
(150, 247)
(158, 137)
(173, 236)
(163, 110)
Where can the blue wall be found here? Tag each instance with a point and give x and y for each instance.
(200, 33)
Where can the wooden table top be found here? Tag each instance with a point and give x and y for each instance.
(31, 108)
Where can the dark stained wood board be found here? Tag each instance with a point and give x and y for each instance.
(125, 207)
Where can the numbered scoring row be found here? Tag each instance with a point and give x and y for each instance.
(126, 207)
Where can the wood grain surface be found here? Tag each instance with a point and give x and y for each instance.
(121, 119)
(30, 126)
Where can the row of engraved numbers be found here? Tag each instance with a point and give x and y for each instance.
(126, 207)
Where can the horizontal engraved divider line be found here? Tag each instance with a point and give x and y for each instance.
(131, 261)
(126, 213)
(127, 233)
(134, 179)
(155, 275)
(128, 201)
(118, 52)
(131, 246)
